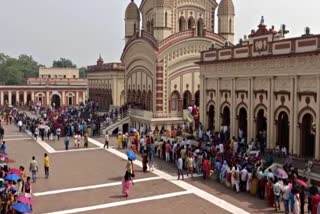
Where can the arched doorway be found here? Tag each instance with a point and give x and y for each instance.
(283, 130)
(175, 96)
(13, 100)
(191, 23)
(182, 24)
(226, 116)
(197, 98)
(307, 136)
(211, 115)
(200, 27)
(55, 101)
(243, 123)
(261, 123)
(186, 99)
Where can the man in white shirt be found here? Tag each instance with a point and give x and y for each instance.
(20, 125)
(179, 167)
(286, 193)
(142, 145)
(106, 141)
(276, 192)
(243, 179)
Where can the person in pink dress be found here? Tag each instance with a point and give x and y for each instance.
(126, 184)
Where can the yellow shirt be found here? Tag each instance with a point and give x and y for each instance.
(46, 162)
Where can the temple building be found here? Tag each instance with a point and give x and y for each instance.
(54, 87)
(164, 39)
(265, 84)
(106, 84)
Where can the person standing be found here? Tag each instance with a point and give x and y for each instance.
(4, 148)
(20, 125)
(86, 140)
(34, 169)
(168, 150)
(315, 199)
(36, 133)
(180, 167)
(276, 193)
(1, 132)
(126, 184)
(58, 133)
(66, 142)
(46, 165)
(286, 193)
(144, 160)
(106, 140)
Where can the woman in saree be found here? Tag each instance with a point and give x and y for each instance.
(126, 184)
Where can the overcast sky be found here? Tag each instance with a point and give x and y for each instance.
(81, 29)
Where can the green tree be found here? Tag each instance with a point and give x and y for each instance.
(15, 71)
(63, 63)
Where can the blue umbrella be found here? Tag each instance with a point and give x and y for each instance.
(131, 155)
(12, 177)
(132, 130)
(21, 207)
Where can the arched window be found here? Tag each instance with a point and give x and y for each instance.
(134, 28)
(182, 24)
(175, 96)
(197, 98)
(152, 26)
(186, 99)
(148, 27)
(191, 23)
(200, 27)
(166, 19)
(230, 26)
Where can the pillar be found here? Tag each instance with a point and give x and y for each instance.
(84, 97)
(317, 152)
(32, 97)
(203, 101)
(17, 97)
(159, 87)
(25, 97)
(77, 97)
(47, 98)
(63, 98)
(1, 98)
(251, 112)
(9, 98)
(233, 118)
(218, 106)
(270, 119)
(294, 140)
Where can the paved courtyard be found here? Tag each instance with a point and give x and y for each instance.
(89, 181)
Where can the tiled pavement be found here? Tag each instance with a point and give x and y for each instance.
(88, 181)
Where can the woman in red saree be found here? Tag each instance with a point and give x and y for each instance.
(206, 168)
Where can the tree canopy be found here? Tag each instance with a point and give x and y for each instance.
(16, 71)
(63, 63)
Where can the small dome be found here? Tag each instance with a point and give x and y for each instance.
(132, 11)
(226, 7)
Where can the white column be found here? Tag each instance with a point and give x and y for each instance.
(77, 97)
(317, 152)
(32, 97)
(1, 98)
(270, 112)
(233, 119)
(17, 97)
(250, 109)
(203, 102)
(25, 97)
(63, 98)
(84, 96)
(218, 106)
(48, 98)
(9, 98)
(294, 140)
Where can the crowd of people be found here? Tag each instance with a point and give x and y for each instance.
(231, 162)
